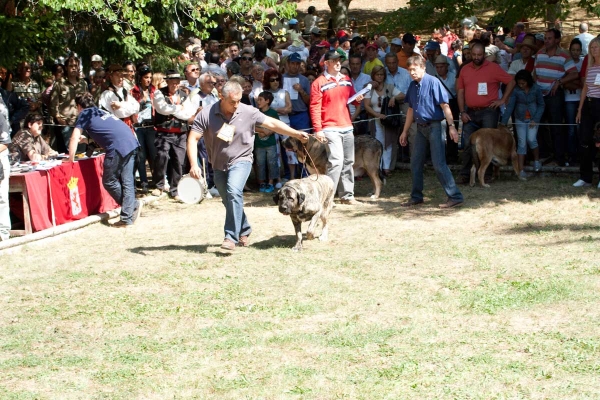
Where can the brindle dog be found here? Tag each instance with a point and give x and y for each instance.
(307, 199)
(367, 158)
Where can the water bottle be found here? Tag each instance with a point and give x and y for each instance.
(460, 134)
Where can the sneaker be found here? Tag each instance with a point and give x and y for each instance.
(214, 192)
(537, 166)
(351, 201)
(581, 183)
(228, 245)
(262, 187)
(523, 175)
(269, 188)
(208, 195)
(278, 185)
(137, 211)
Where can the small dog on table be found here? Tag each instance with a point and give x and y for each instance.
(492, 146)
(307, 199)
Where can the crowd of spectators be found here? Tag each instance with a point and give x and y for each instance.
(508, 76)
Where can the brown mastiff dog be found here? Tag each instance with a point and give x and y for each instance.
(307, 199)
(367, 158)
(495, 146)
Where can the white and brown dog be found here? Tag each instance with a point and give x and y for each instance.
(307, 199)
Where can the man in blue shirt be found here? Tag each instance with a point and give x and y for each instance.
(428, 105)
(121, 147)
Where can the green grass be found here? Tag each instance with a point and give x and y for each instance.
(497, 300)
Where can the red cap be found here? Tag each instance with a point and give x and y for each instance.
(323, 43)
(372, 45)
(341, 33)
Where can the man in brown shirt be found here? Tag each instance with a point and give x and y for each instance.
(62, 103)
(28, 142)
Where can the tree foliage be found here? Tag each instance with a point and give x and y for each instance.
(428, 14)
(120, 29)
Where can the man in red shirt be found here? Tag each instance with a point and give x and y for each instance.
(477, 94)
(331, 121)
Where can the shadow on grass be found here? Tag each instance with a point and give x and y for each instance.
(286, 241)
(192, 248)
(541, 228)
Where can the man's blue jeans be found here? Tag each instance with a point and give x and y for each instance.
(485, 118)
(118, 180)
(432, 134)
(230, 185)
(147, 151)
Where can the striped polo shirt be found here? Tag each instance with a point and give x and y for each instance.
(593, 90)
(550, 68)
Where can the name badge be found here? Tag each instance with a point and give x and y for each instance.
(226, 133)
(482, 89)
(597, 80)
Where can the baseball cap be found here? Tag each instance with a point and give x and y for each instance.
(323, 43)
(441, 59)
(409, 38)
(332, 55)
(383, 39)
(371, 46)
(432, 45)
(315, 31)
(96, 57)
(114, 68)
(294, 57)
(396, 41)
(293, 21)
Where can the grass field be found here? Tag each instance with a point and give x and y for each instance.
(495, 300)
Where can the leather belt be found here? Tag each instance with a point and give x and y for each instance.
(477, 108)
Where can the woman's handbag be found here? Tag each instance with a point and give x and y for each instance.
(392, 119)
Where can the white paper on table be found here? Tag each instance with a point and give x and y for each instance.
(288, 84)
(364, 91)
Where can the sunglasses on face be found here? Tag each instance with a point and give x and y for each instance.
(194, 69)
(246, 58)
(274, 79)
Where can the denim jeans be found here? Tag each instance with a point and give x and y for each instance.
(118, 180)
(4, 207)
(147, 151)
(266, 159)
(486, 118)
(526, 136)
(590, 116)
(230, 185)
(570, 114)
(553, 114)
(340, 158)
(432, 134)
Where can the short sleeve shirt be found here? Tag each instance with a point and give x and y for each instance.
(425, 98)
(221, 154)
(481, 85)
(24, 142)
(550, 68)
(108, 131)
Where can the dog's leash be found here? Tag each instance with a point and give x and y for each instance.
(311, 159)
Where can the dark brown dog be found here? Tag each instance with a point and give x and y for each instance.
(367, 158)
(496, 146)
(308, 199)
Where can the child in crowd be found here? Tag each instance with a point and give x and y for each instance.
(528, 104)
(265, 146)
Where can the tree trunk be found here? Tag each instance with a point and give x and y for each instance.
(553, 10)
(339, 13)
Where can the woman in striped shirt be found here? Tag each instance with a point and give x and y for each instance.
(588, 115)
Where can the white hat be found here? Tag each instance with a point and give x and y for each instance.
(96, 57)
(396, 41)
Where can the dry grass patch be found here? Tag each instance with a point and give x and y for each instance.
(494, 300)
